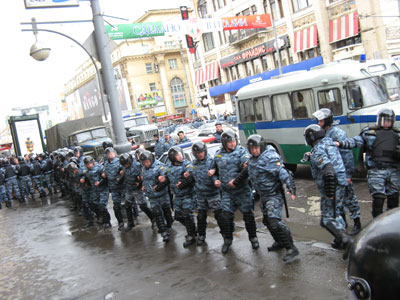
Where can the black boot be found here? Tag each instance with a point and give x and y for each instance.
(227, 230)
(283, 238)
(377, 204)
(357, 227)
(393, 201)
(95, 208)
(168, 217)
(201, 226)
(190, 228)
(135, 209)
(217, 216)
(160, 221)
(340, 236)
(106, 218)
(251, 227)
(343, 215)
(129, 215)
(147, 211)
(118, 215)
(8, 204)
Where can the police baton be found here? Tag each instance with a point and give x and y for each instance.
(284, 200)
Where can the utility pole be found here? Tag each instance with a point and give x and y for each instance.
(121, 144)
(277, 48)
(184, 70)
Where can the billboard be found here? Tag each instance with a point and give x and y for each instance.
(50, 3)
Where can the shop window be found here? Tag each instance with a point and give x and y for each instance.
(249, 68)
(263, 109)
(246, 111)
(303, 104)
(282, 107)
(220, 99)
(264, 63)
(348, 42)
(257, 66)
(253, 10)
(331, 99)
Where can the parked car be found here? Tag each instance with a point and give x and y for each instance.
(187, 151)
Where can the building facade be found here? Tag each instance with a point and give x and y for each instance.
(307, 33)
(154, 72)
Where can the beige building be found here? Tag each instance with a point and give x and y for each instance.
(156, 70)
(309, 32)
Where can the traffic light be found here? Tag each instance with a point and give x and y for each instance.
(184, 13)
(190, 44)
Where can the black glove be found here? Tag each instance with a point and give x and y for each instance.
(161, 185)
(242, 176)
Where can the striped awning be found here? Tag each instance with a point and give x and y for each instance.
(306, 38)
(343, 27)
(210, 72)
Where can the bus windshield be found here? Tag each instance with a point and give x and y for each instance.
(392, 83)
(372, 91)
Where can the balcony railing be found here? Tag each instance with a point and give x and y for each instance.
(244, 34)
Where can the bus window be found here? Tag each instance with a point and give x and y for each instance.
(263, 109)
(282, 107)
(303, 104)
(392, 83)
(246, 111)
(372, 91)
(331, 99)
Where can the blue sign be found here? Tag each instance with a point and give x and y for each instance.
(193, 111)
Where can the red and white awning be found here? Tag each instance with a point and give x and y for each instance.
(305, 39)
(210, 72)
(343, 27)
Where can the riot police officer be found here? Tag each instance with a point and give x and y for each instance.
(329, 173)
(37, 177)
(179, 173)
(24, 175)
(207, 196)
(374, 259)
(47, 168)
(155, 186)
(3, 194)
(231, 163)
(325, 120)
(158, 147)
(10, 177)
(267, 176)
(382, 143)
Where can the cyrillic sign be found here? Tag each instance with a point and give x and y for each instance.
(50, 3)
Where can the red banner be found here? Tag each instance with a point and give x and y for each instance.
(247, 22)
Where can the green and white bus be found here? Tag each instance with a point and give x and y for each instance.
(280, 108)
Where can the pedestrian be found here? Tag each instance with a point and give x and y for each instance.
(182, 138)
(180, 177)
(325, 121)
(112, 169)
(218, 132)
(267, 176)
(329, 173)
(382, 158)
(207, 196)
(231, 162)
(155, 186)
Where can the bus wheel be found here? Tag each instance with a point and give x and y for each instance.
(291, 167)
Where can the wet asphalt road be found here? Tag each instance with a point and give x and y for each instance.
(45, 254)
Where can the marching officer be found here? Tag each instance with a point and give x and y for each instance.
(325, 120)
(329, 173)
(179, 173)
(267, 176)
(10, 177)
(231, 163)
(382, 159)
(207, 196)
(24, 175)
(3, 194)
(37, 177)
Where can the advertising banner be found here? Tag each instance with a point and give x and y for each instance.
(50, 3)
(149, 100)
(193, 26)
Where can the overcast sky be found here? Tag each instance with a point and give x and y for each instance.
(26, 82)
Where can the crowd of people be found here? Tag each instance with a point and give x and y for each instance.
(174, 191)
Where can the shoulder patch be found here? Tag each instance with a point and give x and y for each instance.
(278, 163)
(218, 155)
(187, 166)
(247, 156)
(194, 167)
(161, 168)
(320, 160)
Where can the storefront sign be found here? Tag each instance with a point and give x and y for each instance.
(255, 52)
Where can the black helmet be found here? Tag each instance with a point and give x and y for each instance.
(385, 114)
(42, 155)
(107, 145)
(138, 152)
(146, 155)
(20, 158)
(88, 159)
(78, 149)
(61, 156)
(312, 133)
(324, 114)
(218, 123)
(109, 150)
(228, 136)
(74, 160)
(70, 153)
(256, 140)
(72, 166)
(125, 158)
(198, 147)
(374, 259)
(172, 152)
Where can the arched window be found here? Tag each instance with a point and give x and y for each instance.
(178, 92)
